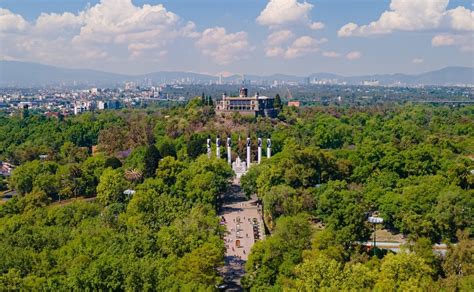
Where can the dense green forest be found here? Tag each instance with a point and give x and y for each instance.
(72, 227)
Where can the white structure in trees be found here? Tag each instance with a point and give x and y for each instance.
(240, 167)
(269, 148)
(259, 157)
(208, 146)
(229, 154)
(249, 144)
(218, 146)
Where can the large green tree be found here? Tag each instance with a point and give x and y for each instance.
(111, 187)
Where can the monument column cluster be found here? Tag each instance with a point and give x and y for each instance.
(249, 151)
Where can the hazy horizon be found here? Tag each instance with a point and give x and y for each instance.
(236, 73)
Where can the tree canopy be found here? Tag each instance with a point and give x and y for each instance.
(71, 226)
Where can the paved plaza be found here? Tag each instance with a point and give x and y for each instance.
(244, 227)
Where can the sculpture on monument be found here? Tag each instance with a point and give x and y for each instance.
(239, 167)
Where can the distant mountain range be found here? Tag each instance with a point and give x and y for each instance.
(13, 73)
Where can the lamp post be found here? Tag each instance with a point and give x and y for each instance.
(374, 219)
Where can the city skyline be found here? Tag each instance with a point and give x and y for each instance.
(260, 37)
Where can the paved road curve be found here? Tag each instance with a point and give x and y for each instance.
(240, 216)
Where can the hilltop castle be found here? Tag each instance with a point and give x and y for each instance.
(247, 105)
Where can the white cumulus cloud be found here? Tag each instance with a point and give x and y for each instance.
(416, 15)
(110, 29)
(443, 40)
(278, 12)
(403, 15)
(354, 55)
(274, 52)
(300, 47)
(411, 15)
(303, 46)
(223, 47)
(461, 18)
(10, 22)
(463, 41)
(279, 37)
(316, 25)
(53, 24)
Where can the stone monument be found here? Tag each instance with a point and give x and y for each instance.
(239, 167)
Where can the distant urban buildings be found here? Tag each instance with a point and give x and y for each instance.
(59, 102)
(324, 81)
(82, 106)
(112, 104)
(370, 83)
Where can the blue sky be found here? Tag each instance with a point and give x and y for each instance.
(240, 36)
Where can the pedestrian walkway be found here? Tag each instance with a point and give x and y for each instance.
(244, 227)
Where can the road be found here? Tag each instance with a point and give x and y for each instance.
(396, 246)
(240, 215)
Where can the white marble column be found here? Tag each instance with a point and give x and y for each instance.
(248, 152)
(229, 154)
(259, 150)
(269, 148)
(218, 146)
(209, 147)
